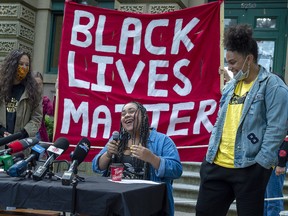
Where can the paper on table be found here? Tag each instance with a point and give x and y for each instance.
(134, 181)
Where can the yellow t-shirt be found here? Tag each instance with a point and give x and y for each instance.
(225, 154)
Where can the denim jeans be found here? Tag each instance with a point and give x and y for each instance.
(274, 189)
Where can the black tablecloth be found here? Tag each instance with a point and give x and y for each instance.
(96, 196)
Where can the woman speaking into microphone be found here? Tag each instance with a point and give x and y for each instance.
(144, 152)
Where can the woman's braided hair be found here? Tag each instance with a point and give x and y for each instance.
(144, 134)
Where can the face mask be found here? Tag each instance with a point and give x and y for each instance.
(242, 75)
(21, 73)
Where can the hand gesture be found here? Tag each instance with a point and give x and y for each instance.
(112, 148)
(6, 134)
(280, 170)
(141, 152)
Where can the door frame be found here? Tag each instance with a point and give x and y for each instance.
(246, 12)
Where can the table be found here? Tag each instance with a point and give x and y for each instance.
(96, 196)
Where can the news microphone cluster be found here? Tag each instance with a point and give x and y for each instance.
(22, 167)
(6, 159)
(60, 146)
(19, 145)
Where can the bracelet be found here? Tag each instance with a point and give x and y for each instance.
(108, 155)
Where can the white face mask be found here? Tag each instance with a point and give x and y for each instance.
(241, 75)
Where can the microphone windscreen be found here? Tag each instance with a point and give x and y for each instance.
(81, 150)
(30, 141)
(61, 143)
(115, 135)
(16, 146)
(20, 145)
(10, 138)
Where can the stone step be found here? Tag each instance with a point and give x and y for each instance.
(189, 205)
(189, 177)
(185, 191)
(191, 166)
(185, 205)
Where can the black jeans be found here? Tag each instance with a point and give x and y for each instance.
(221, 186)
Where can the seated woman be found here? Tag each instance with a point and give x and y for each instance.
(144, 152)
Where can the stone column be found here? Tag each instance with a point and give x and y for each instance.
(17, 27)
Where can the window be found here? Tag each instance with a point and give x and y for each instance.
(229, 22)
(267, 23)
(56, 29)
(55, 36)
(266, 53)
(55, 42)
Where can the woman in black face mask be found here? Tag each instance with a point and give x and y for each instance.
(20, 100)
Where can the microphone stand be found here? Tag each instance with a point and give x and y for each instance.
(74, 184)
(50, 173)
(29, 170)
(28, 173)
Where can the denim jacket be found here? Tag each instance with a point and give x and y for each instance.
(170, 166)
(263, 123)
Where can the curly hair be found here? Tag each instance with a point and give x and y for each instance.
(239, 38)
(144, 135)
(8, 72)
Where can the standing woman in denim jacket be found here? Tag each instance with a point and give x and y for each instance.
(250, 127)
(144, 152)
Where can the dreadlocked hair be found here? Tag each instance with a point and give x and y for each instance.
(144, 135)
(8, 71)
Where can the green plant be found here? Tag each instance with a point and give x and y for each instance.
(49, 123)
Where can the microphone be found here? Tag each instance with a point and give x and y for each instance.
(19, 168)
(8, 160)
(79, 154)
(17, 157)
(115, 136)
(19, 145)
(60, 146)
(10, 138)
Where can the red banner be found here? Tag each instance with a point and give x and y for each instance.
(168, 62)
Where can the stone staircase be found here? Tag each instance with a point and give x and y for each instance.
(186, 190)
